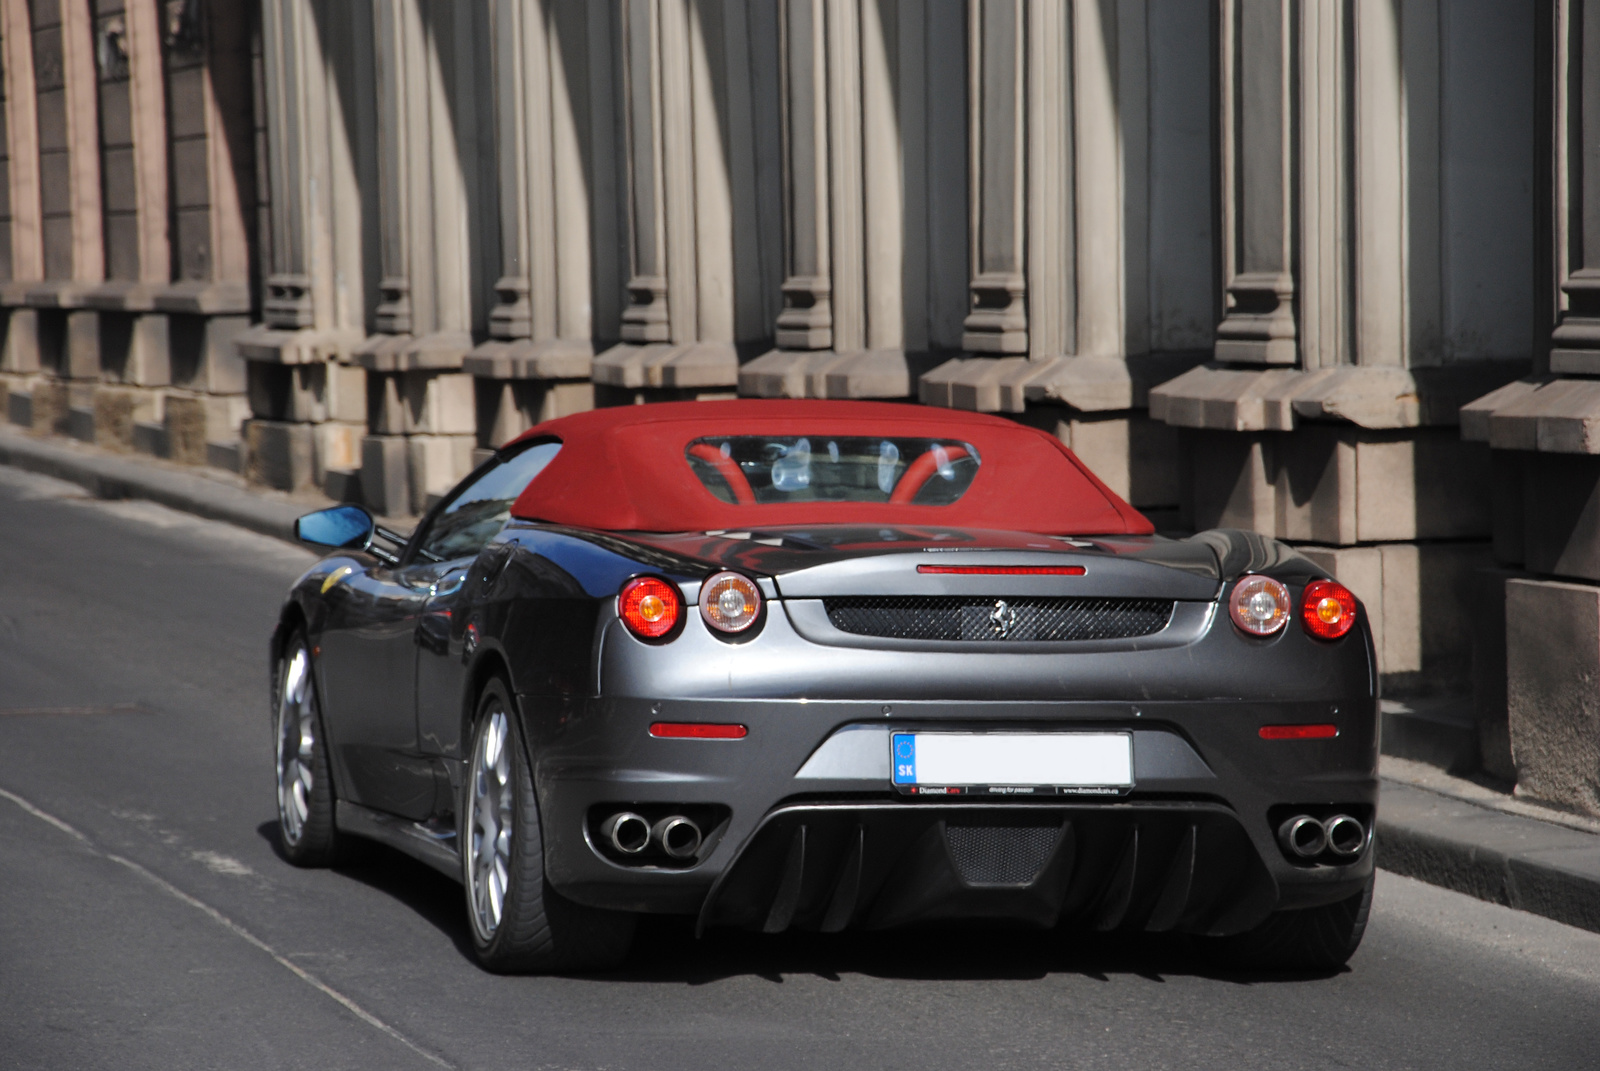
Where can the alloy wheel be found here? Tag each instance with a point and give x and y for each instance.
(296, 738)
(489, 823)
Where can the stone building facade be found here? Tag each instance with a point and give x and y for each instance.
(1321, 268)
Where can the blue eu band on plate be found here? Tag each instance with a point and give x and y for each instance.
(1014, 760)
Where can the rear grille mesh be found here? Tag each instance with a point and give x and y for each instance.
(944, 617)
(1000, 855)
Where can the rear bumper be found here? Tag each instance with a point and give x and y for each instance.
(815, 837)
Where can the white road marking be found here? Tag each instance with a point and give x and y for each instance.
(218, 863)
(228, 924)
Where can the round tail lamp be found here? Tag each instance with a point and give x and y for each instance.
(730, 603)
(1260, 605)
(649, 606)
(1328, 610)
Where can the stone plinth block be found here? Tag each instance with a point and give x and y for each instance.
(438, 403)
(19, 349)
(1420, 601)
(136, 350)
(509, 407)
(385, 481)
(1135, 456)
(882, 373)
(205, 354)
(442, 351)
(82, 356)
(118, 409)
(1338, 484)
(196, 421)
(437, 463)
(527, 359)
(1489, 702)
(279, 454)
(49, 407)
(1553, 690)
(1559, 509)
(338, 449)
(692, 364)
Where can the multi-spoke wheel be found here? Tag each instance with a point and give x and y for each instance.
(305, 790)
(519, 923)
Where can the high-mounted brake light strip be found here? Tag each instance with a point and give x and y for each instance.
(1003, 570)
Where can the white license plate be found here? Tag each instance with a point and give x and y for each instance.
(1012, 763)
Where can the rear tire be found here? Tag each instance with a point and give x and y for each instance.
(1310, 939)
(305, 787)
(519, 923)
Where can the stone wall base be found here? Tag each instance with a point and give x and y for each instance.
(1553, 690)
(1338, 484)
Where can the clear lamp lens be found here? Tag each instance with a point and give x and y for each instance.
(1260, 605)
(730, 602)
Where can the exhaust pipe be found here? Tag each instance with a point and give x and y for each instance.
(1303, 836)
(627, 832)
(1346, 836)
(677, 836)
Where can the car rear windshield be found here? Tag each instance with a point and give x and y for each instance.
(765, 469)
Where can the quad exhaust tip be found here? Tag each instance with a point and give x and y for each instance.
(627, 832)
(1303, 836)
(1346, 836)
(677, 836)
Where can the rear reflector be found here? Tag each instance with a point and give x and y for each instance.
(697, 730)
(1003, 570)
(1298, 732)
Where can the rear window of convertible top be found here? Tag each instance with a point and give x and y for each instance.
(767, 469)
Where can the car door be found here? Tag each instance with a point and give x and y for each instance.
(368, 659)
(457, 534)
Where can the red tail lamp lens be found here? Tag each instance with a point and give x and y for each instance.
(1299, 732)
(649, 606)
(697, 730)
(1329, 610)
(1260, 605)
(730, 602)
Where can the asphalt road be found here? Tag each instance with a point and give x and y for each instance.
(146, 920)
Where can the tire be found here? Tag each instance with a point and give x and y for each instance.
(519, 923)
(305, 787)
(1311, 939)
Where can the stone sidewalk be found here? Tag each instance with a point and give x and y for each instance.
(1467, 835)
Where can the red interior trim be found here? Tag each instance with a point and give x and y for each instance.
(1003, 570)
(728, 469)
(921, 471)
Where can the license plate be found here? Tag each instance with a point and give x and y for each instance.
(1012, 764)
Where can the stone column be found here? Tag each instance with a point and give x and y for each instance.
(537, 361)
(1353, 138)
(697, 89)
(30, 398)
(1064, 306)
(440, 253)
(1537, 717)
(307, 400)
(848, 114)
(133, 341)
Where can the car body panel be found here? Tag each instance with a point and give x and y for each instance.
(802, 824)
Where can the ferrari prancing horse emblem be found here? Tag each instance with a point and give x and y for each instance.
(1004, 618)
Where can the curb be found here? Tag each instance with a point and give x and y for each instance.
(119, 477)
(1524, 863)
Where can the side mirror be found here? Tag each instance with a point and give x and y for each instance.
(340, 527)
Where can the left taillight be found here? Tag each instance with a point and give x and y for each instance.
(650, 607)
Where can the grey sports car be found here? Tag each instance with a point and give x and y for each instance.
(825, 665)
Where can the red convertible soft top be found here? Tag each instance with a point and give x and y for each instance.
(625, 469)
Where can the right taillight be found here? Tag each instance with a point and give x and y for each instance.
(730, 603)
(1328, 610)
(650, 607)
